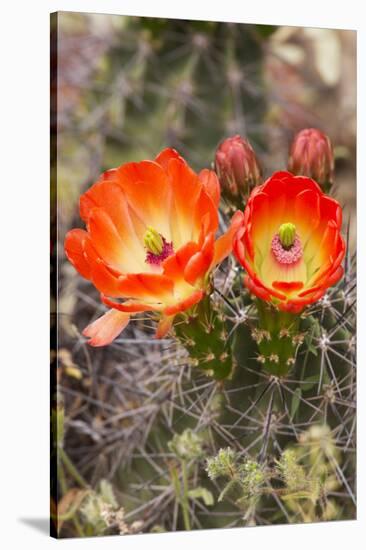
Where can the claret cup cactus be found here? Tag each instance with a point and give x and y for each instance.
(251, 297)
(150, 245)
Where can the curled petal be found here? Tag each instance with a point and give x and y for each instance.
(104, 279)
(211, 185)
(146, 286)
(175, 264)
(224, 244)
(129, 306)
(167, 155)
(164, 326)
(105, 329)
(185, 304)
(257, 290)
(200, 262)
(74, 250)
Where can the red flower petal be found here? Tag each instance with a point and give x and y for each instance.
(105, 280)
(108, 243)
(105, 329)
(200, 262)
(130, 306)
(74, 250)
(318, 218)
(194, 298)
(146, 286)
(288, 286)
(258, 290)
(148, 193)
(224, 244)
(164, 325)
(166, 155)
(175, 264)
(211, 185)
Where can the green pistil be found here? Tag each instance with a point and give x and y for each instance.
(153, 241)
(287, 234)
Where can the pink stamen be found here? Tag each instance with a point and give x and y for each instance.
(283, 256)
(156, 259)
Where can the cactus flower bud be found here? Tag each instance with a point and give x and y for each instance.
(311, 155)
(237, 168)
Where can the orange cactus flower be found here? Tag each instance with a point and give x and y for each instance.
(149, 243)
(289, 242)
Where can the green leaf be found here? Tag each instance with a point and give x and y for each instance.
(203, 493)
(295, 402)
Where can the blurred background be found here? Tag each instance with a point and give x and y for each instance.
(126, 88)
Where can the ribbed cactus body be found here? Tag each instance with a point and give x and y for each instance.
(278, 338)
(204, 333)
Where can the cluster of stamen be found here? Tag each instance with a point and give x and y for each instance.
(157, 247)
(156, 259)
(286, 245)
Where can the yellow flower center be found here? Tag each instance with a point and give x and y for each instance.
(287, 234)
(153, 241)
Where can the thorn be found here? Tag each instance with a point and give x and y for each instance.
(352, 343)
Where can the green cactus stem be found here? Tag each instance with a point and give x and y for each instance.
(278, 338)
(203, 332)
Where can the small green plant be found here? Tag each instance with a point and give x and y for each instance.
(187, 448)
(302, 477)
(102, 515)
(246, 479)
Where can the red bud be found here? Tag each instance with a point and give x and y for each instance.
(311, 155)
(237, 168)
